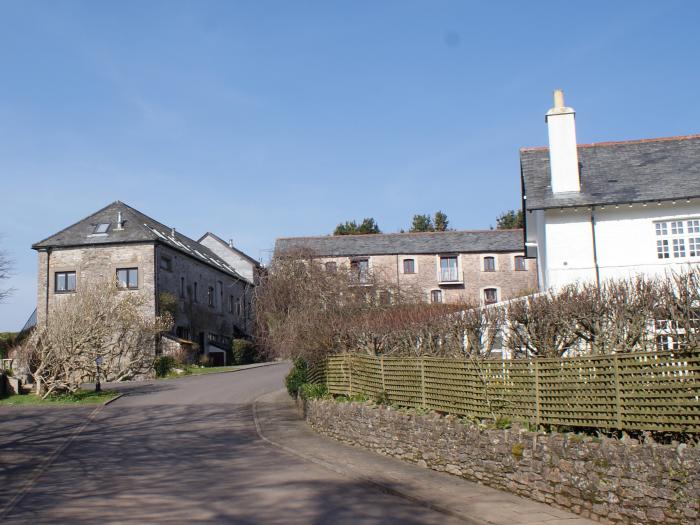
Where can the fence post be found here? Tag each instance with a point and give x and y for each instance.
(618, 408)
(537, 394)
(422, 381)
(381, 367)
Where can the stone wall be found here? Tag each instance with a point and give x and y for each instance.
(608, 480)
(506, 279)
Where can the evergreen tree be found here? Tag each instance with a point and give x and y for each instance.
(367, 226)
(441, 221)
(510, 219)
(422, 223)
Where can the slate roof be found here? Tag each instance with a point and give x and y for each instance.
(618, 173)
(406, 243)
(232, 248)
(137, 228)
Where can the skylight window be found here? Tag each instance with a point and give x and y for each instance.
(101, 228)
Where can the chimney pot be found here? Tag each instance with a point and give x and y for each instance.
(172, 232)
(558, 98)
(230, 243)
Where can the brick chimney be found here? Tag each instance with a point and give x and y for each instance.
(563, 156)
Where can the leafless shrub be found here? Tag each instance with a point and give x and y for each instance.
(5, 272)
(99, 321)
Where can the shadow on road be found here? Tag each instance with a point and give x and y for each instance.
(196, 464)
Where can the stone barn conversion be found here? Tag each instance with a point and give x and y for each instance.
(210, 299)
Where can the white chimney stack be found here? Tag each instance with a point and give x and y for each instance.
(563, 156)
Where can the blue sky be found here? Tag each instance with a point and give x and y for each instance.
(261, 119)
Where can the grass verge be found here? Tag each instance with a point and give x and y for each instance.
(84, 397)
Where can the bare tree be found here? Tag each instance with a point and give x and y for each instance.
(99, 321)
(5, 272)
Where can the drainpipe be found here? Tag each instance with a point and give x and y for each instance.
(398, 283)
(48, 283)
(595, 248)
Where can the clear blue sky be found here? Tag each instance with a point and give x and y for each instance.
(260, 119)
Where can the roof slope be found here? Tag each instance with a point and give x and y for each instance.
(232, 248)
(407, 243)
(618, 172)
(137, 227)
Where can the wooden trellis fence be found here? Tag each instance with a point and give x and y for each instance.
(637, 391)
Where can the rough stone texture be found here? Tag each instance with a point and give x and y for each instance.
(508, 281)
(93, 264)
(607, 480)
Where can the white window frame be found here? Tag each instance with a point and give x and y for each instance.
(515, 268)
(677, 238)
(430, 296)
(438, 259)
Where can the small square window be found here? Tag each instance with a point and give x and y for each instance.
(128, 278)
(64, 282)
(101, 228)
(409, 266)
(694, 226)
(489, 264)
(694, 246)
(490, 295)
(436, 296)
(661, 228)
(520, 263)
(166, 263)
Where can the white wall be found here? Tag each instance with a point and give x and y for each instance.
(625, 240)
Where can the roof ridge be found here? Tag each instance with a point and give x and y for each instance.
(620, 142)
(237, 250)
(361, 235)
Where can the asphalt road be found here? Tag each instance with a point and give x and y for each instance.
(177, 451)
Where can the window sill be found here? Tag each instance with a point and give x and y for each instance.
(448, 283)
(63, 292)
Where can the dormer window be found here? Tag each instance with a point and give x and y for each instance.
(101, 228)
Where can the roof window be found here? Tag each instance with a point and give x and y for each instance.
(101, 228)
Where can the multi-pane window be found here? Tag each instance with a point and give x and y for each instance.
(64, 282)
(360, 269)
(128, 278)
(679, 239)
(409, 266)
(520, 263)
(436, 296)
(489, 264)
(448, 269)
(331, 267)
(490, 295)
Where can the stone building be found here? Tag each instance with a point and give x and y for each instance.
(209, 300)
(453, 266)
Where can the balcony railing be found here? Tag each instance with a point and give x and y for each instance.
(449, 275)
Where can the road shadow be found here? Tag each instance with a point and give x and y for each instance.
(196, 464)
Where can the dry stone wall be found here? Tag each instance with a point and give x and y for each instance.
(608, 480)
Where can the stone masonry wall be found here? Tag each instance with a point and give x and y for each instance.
(604, 479)
(508, 281)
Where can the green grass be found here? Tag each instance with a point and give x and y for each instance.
(196, 371)
(83, 397)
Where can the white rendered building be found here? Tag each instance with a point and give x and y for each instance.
(609, 210)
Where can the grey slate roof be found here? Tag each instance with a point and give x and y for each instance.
(406, 243)
(618, 172)
(137, 228)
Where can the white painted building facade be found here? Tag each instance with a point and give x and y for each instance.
(610, 210)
